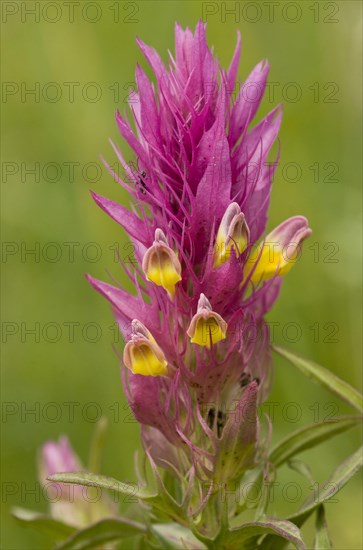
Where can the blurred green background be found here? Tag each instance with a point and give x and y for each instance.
(314, 51)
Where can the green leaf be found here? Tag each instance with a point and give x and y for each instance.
(309, 436)
(301, 468)
(43, 523)
(325, 378)
(176, 537)
(322, 540)
(327, 490)
(106, 530)
(95, 480)
(337, 480)
(162, 503)
(283, 529)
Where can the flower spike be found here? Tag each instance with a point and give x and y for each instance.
(200, 171)
(196, 149)
(233, 232)
(276, 255)
(206, 327)
(161, 265)
(142, 355)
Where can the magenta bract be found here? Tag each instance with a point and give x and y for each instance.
(195, 156)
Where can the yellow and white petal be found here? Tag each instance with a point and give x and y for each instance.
(233, 232)
(161, 265)
(206, 327)
(142, 355)
(276, 255)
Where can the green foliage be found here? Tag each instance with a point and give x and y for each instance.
(308, 437)
(104, 531)
(325, 378)
(192, 529)
(43, 523)
(322, 540)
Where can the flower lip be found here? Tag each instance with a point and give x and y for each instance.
(233, 232)
(276, 255)
(295, 229)
(139, 331)
(142, 355)
(161, 265)
(206, 327)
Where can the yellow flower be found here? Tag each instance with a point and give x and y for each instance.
(161, 265)
(142, 355)
(206, 327)
(233, 232)
(276, 255)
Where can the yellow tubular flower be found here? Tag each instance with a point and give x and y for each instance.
(276, 255)
(233, 232)
(206, 327)
(161, 265)
(142, 355)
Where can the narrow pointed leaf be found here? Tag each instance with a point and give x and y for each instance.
(174, 536)
(325, 378)
(106, 530)
(327, 490)
(237, 538)
(160, 502)
(301, 468)
(94, 480)
(322, 540)
(337, 480)
(309, 436)
(43, 523)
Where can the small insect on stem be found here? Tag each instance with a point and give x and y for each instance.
(217, 421)
(141, 182)
(246, 379)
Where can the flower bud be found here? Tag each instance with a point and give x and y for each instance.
(279, 251)
(142, 355)
(233, 232)
(70, 506)
(161, 265)
(58, 457)
(206, 327)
